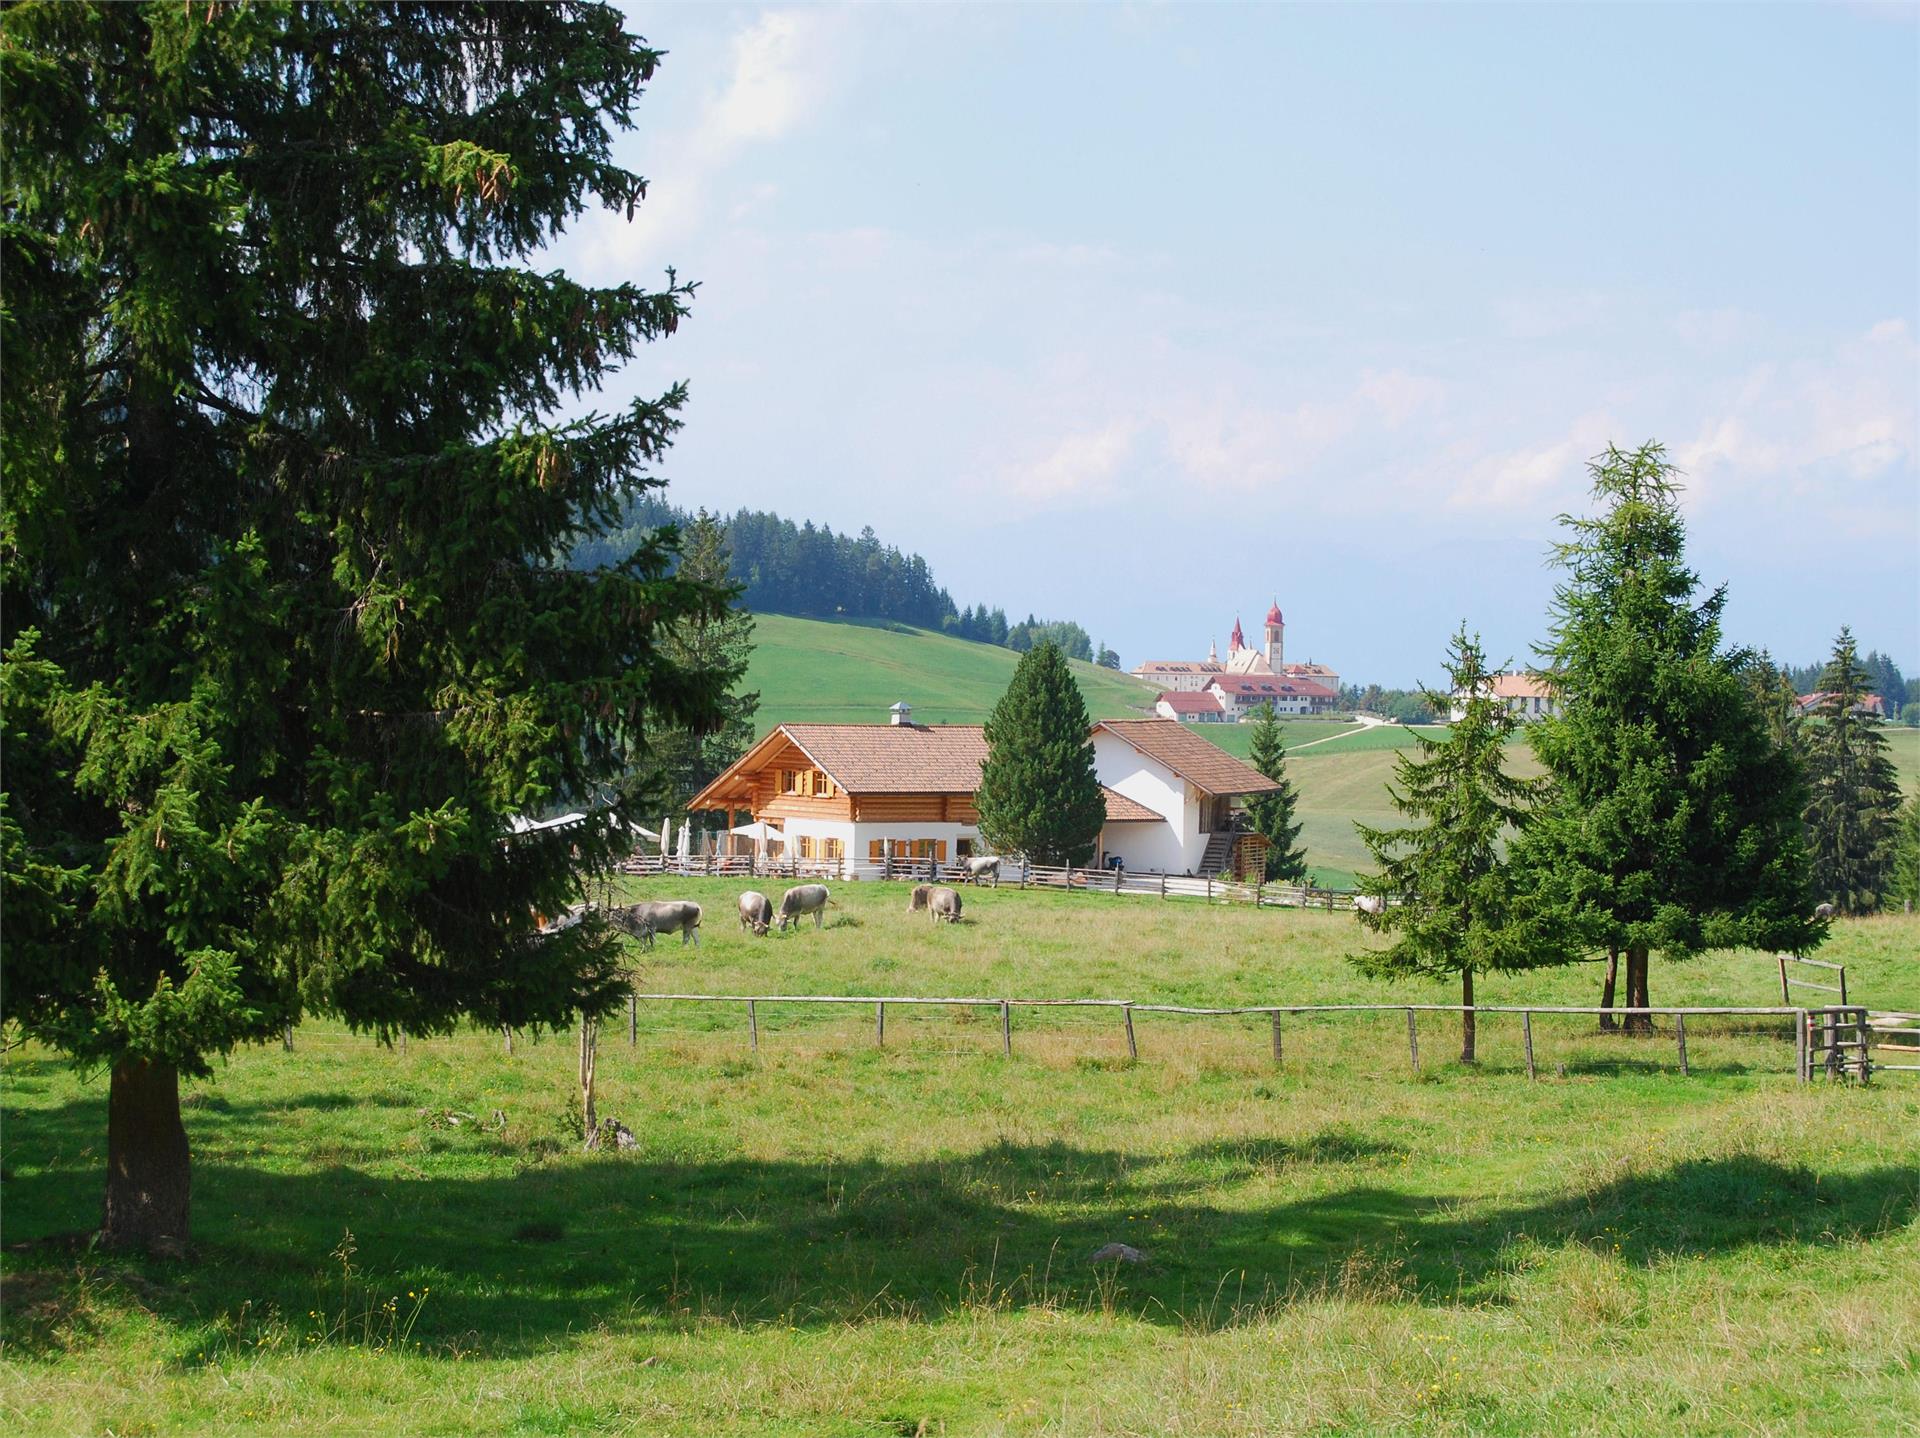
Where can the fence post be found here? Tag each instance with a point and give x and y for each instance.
(1006, 1028)
(1209, 888)
(1413, 1042)
(1257, 888)
(507, 1032)
(1133, 1049)
(1843, 985)
(1275, 1016)
(633, 1020)
(1784, 998)
(286, 1038)
(1526, 1034)
(880, 1025)
(753, 1028)
(1800, 1044)
(1116, 879)
(1163, 883)
(1680, 1037)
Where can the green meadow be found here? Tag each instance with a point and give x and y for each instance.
(833, 1236)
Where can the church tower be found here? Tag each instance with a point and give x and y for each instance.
(1276, 638)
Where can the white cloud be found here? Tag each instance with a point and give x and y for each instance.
(1537, 479)
(778, 62)
(1082, 465)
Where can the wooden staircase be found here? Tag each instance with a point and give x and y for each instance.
(1219, 856)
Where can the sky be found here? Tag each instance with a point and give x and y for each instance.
(1145, 316)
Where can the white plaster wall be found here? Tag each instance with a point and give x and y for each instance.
(1124, 769)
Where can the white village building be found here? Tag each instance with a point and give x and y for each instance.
(1192, 676)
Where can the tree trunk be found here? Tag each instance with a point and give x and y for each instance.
(149, 1177)
(1466, 1016)
(1637, 992)
(1608, 1023)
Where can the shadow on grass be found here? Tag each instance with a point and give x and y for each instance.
(517, 1261)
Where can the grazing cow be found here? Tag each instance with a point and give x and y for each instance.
(756, 912)
(943, 903)
(983, 866)
(917, 900)
(1375, 904)
(660, 916)
(807, 899)
(1823, 911)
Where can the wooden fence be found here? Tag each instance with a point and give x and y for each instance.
(1145, 883)
(1787, 982)
(1808, 1025)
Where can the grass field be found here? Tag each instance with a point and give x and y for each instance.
(819, 671)
(836, 1238)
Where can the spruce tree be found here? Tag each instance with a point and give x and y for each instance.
(284, 650)
(713, 643)
(1903, 881)
(1272, 814)
(1673, 825)
(1448, 899)
(1038, 796)
(1853, 797)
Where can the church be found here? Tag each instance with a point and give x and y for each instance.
(1311, 688)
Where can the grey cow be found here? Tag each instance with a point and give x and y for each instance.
(807, 899)
(983, 866)
(756, 911)
(661, 916)
(942, 903)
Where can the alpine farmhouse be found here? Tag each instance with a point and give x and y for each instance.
(857, 795)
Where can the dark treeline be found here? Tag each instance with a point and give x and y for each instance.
(809, 570)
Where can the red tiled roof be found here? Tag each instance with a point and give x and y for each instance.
(1202, 764)
(1196, 702)
(867, 759)
(1276, 687)
(1122, 810)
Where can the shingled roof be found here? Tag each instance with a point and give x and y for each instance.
(896, 758)
(1200, 762)
(1122, 810)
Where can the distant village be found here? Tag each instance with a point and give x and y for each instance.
(1209, 691)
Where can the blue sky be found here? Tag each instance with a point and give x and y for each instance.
(1144, 315)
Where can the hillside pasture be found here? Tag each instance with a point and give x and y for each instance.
(831, 1236)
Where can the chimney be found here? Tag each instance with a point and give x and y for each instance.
(902, 713)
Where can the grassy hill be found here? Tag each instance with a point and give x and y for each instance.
(819, 671)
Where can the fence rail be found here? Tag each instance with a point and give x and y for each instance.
(1787, 983)
(1807, 1032)
(1141, 883)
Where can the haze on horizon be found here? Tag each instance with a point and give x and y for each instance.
(1142, 316)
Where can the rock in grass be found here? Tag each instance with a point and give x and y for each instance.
(1118, 1253)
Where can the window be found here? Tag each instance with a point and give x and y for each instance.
(876, 850)
(789, 782)
(833, 849)
(806, 846)
(822, 785)
(963, 848)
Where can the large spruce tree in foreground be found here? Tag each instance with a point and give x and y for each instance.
(1674, 819)
(1447, 899)
(1853, 798)
(1038, 796)
(283, 650)
(1272, 814)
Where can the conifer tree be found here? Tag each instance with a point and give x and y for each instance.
(1903, 883)
(1673, 824)
(1272, 814)
(1448, 900)
(1038, 796)
(1853, 797)
(284, 649)
(713, 643)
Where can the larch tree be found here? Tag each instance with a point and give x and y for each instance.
(1272, 814)
(283, 650)
(1446, 897)
(1853, 793)
(1903, 883)
(1673, 823)
(1038, 796)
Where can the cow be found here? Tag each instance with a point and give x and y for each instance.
(807, 899)
(1375, 904)
(917, 900)
(982, 866)
(756, 912)
(943, 903)
(1823, 911)
(660, 916)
